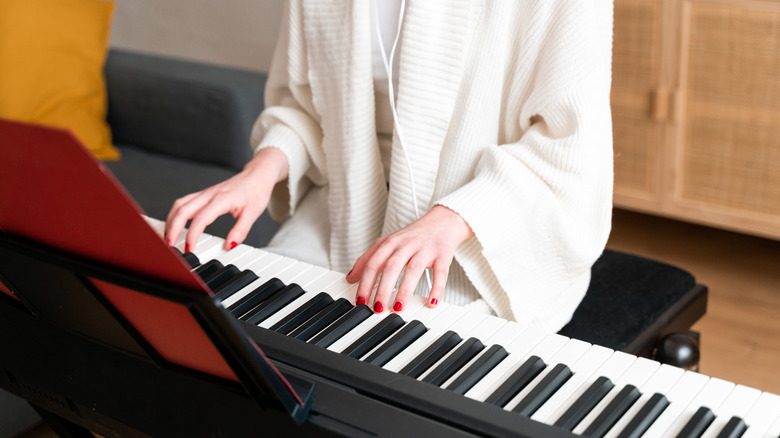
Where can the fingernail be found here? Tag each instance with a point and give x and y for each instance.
(187, 247)
(398, 306)
(350, 272)
(360, 300)
(168, 241)
(434, 301)
(233, 245)
(378, 307)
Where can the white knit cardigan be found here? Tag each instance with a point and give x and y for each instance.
(504, 107)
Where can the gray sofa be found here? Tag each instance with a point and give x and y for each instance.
(181, 127)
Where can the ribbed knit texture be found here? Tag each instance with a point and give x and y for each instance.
(505, 111)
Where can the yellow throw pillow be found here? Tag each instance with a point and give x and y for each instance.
(52, 54)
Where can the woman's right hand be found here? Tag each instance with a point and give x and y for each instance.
(245, 196)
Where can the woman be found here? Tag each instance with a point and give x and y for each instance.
(497, 176)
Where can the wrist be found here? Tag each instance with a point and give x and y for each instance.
(453, 223)
(269, 163)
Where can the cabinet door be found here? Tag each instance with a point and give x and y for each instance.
(728, 154)
(637, 120)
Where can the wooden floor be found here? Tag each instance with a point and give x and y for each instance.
(741, 332)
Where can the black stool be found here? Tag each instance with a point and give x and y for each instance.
(643, 307)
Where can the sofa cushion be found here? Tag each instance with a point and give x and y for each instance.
(51, 66)
(190, 110)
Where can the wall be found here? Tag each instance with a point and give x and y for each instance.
(237, 33)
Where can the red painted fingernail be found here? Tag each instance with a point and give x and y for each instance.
(187, 247)
(350, 272)
(233, 245)
(168, 242)
(434, 301)
(360, 300)
(398, 306)
(378, 307)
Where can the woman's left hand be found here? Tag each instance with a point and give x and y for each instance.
(428, 242)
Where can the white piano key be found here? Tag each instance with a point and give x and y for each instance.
(209, 249)
(353, 335)
(436, 328)
(567, 354)
(739, 401)
(325, 281)
(683, 391)
(234, 255)
(760, 416)
(470, 322)
(774, 429)
(583, 368)
(289, 275)
(530, 342)
(299, 273)
(310, 276)
(157, 225)
(636, 374)
(247, 259)
(415, 304)
(660, 382)
(711, 396)
(507, 332)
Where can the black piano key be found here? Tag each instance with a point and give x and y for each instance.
(613, 411)
(476, 371)
(517, 381)
(322, 319)
(402, 339)
(585, 403)
(257, 296)
(273, 304)
(344, 325)
(454, 362)
(302, 313)
(235, 284)
(645, 417)
(733, 429)
(438, 349)
(189, 257)
(208, 268)
(384, 329)
(542, 392)
(221, 276)
(698, 423)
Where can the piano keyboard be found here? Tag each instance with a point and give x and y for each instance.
(573, 385)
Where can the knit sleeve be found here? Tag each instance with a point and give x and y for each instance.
(289, 121)
(540, 206)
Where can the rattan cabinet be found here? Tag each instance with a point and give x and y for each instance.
(696, 111)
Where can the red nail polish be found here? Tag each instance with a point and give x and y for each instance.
(187, 247)
(378, 307)
(398, 306)
(350, 272)
(233, 245)
(434, 301)
(360, 300)
(168, 242)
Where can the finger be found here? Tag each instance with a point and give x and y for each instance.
(358, 272)
(182, 211)
(414, 270)
(391, 271)
(203, 218)
(244, 221)
(441, 269)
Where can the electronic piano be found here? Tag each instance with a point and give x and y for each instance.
(462, 359)
(105, 328)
